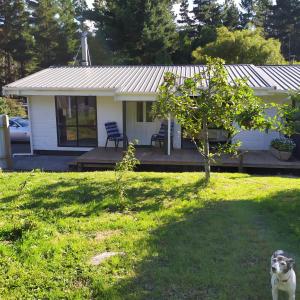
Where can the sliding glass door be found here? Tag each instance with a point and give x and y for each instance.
(76, 121)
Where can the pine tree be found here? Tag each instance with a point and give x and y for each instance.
(284, 24)
(207, 16)
(15, 40)
(262, 12)
(68, 36)
(231, 15)
(207, 13)
(184, 14)
(248, 12)
(55, 31)
(137, 31)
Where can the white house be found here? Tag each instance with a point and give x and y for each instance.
(68, 106)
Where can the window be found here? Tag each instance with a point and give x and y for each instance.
(143, 111)
(76, 121)
(149, 117)
(139, 112)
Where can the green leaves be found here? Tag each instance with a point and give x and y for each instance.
(11, 107)
(241, 46)
(208, 99)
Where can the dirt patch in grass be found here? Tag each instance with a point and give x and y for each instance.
(103, 235)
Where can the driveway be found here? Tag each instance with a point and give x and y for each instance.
(54, 163)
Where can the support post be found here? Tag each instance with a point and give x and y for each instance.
(5, 146)
(169, 134)
(124, 111)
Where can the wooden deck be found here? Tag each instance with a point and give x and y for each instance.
(184, 157)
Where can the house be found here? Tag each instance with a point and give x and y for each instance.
(68, 106)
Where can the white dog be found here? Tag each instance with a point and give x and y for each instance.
(283, 276)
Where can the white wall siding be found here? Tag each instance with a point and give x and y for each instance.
(43, 125)
(108, 110)
(257, 140)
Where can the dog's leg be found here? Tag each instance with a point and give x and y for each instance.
(292, 296)
(275, 294)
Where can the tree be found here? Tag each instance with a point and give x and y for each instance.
(207, 16)
(184, 13)
(15, 40)
(68, 36)
(220, 103)
(55, 31)
(241, 46)
(231, 15)
(247, 15)
(11, 107)
(283, 23)
(137, 31)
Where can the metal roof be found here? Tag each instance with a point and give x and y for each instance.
(147, 79)
(286, 77)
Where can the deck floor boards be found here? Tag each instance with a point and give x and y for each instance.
(188, 157)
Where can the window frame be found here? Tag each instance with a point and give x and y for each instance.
(76, 126)
(144, 116)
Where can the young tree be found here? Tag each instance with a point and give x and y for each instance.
(241, 47)
(219, 103)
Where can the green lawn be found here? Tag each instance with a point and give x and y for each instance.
(181, 240)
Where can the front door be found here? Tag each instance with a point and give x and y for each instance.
(140, 124)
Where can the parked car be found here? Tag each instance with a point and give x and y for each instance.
(19, 129)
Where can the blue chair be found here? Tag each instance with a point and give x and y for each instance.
(114, 135)
(162, 134)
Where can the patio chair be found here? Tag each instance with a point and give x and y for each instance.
(161, 135)
(114, 135)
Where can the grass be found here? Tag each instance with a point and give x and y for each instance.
(181, 240)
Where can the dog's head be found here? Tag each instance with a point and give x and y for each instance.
(281, 262)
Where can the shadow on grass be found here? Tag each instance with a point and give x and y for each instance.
(221, 251)
(89, 197)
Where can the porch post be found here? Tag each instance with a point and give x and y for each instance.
(169, 134)
(124, 111)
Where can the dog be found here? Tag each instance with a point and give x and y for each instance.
(283, 276)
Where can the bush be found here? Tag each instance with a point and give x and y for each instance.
(11, 107)
(283, 144)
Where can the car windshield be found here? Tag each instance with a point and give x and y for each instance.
(22, 122)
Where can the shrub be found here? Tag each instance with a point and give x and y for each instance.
(11, 107)
(283, 144)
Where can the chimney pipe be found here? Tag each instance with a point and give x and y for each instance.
(84, 47)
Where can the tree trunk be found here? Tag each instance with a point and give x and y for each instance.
(206, 152)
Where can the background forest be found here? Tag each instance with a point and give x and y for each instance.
(37, 34)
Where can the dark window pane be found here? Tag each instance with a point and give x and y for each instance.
(87, 111)
(67, 136)
(66, 111)
(139, 112)
(87, 137)
(77, 121)
(149, 117)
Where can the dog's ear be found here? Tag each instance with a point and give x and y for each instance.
(290, 262)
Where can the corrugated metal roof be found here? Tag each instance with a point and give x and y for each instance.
(134, 79)
(147, 79)
(286, 77)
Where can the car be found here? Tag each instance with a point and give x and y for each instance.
(19, 129)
